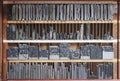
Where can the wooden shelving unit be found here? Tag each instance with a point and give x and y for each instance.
(4, 44)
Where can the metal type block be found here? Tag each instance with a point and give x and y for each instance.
(23, 11)
(92, 12)
(51, 33)
(85, 52)
(101, 15)
(81, 31)
(107, 36)
(43, 54)
(37, 12)
(71, 12)
(78, 12)
(75, 54)
(26, 12)
(33, 12)
(54, 35)
(68, 12)
(53, 15)
(16, 12)
(23, 51)
(64, 50)
(108, 52)
(40, 12)
(61, 11)
(20, 12)
(58, 12)
(64, 12)
(33, 52)
(82, 11)
(46, 11)
(12, 53)
(13, 12)
(88, 32)
(54, 50)
(43, 34)
(33, 33)
(11, 32)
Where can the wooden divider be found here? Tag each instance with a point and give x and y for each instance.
(1, 41)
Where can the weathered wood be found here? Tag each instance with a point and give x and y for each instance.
(4, 45)
(115, 70)
(119, 40)
(0, 41)
(58, 1)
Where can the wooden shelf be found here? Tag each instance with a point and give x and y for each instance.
(58, 2)
(60, 41)
(57, 21)
(62, 60)
(70, 80)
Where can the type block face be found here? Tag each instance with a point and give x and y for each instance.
(43, 54)
(75, 54)
(54, 52)
(96, 52)
(33, 52)
(11, 35)
(85, 52)
(108, 52)
(23, 51)
(64, 51)
(12, 53)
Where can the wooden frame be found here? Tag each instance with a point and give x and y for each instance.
(1, 41)
(4, 45)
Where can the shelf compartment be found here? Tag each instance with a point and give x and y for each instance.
(57, 31)
(61, 60)
(58, 21)
(60, 41)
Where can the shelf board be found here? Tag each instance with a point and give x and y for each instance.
(64, 60)
(59, 2)
(60, 41)
(58, 21)
(72, 80)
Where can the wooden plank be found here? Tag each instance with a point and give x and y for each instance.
(115, 70)
(61, 60)
(58, 1)
(4, 45)
(0, 41)
(67, 80)
(57, 21)
(60, 41)
(119, 40)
